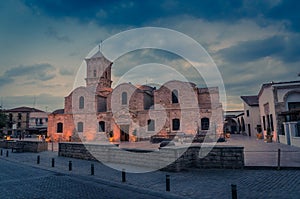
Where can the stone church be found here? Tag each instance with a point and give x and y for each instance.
(96, 112)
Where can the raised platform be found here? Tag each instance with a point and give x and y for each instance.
(175, 158)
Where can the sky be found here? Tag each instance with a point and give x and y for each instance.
(43, 43)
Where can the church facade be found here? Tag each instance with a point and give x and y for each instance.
(130, 113)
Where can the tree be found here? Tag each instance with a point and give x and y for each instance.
(3, 119)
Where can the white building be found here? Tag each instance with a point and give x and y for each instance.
(278, 109)
(251, 115)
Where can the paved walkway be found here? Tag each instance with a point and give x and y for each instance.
(257, 152)
(260, 153)
(191, 184)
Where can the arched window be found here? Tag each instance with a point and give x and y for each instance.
(81, 102)
(151, 125)
(59, 127)
(101, 126)
(80, 127)
(205, 123)
(175, 96)
(175, 124)
(124, 98)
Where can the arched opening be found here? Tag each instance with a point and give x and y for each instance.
(59, 127)
(101, 126)
(174, 96)
(151, 125)
(205, 123)
(243, 125)
(124, 98)
(175, 124)
(81, 102)
(80, 127)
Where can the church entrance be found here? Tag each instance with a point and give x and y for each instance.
(124, 133)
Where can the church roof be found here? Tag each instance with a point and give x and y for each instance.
(97, 55)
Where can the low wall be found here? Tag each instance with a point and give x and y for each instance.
(295, 141)
(28, 146)
(191, 157)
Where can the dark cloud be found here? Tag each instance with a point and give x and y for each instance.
(51, 32)
(42, 72)
(5, 80)
(285, 48)
(286, 10)
(140, 12)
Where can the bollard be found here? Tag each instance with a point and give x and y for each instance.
(123, 175)
(233, 191)
(92, 169)
(167, 182)
(53, 162)
(38, 159)
(278, 160)
(7, 153)
(1, 152)
(70, 165)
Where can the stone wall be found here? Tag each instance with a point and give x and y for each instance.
(186, 158)
(28, 146)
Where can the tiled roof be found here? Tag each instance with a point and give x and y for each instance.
(251, 100)
(23, 109)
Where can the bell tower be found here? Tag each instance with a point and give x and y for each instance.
(98, 71)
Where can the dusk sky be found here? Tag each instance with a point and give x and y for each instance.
(43, 42)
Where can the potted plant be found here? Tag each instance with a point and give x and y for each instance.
(227, 133)
(259, 134)
(269, 136)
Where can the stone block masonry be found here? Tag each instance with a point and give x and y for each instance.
(193, 157)
(28, 146)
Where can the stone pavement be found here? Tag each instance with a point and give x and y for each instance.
(259, 153)
(189, 184)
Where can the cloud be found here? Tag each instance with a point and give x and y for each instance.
(42, 101)
(5, 80)
(284, 48)
(54, 34)
(42, 72)
(67, 71)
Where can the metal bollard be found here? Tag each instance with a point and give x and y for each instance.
(38, 159)
(7, 153)
(167, 182)
(92, 169)
(70, 165)
(53, 162)
(233, 191)
(123, 175)
(278, 160)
